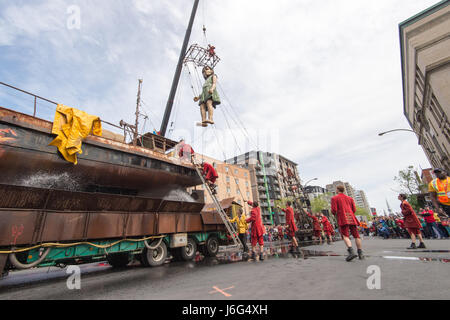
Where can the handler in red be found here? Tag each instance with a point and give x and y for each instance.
(292, 227)
(412, 223)
(327, 228)
(344, 208)
(316, 226)
(210, 175)
(185, 151)
(257, 230)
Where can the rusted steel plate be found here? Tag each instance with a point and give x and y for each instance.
(166, 223)
(193, 223)
(140, 224)
(176, 206)
(63, 226)
(211, 218)
(225, 204)
(21, 197)
(17, 227)
(106, 225)
(103, 162)
(180, 223)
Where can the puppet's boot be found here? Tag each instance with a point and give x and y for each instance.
(361, 254)
(203, 113)
(351, 255)
(210, 115)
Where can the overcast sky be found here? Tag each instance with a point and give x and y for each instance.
(314, 81)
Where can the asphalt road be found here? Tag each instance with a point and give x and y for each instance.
(323, 274)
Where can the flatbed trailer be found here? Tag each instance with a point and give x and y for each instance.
(43, 227)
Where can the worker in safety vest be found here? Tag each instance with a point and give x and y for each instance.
(440, 192)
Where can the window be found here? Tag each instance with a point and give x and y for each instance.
(246, 183)
(227, 169)
(236, 171)
(246, 174)
(237, 181)
(248, 194)
(238, 192)
(228, 179)
(229, 190)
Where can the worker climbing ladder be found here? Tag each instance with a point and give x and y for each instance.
(230, 228)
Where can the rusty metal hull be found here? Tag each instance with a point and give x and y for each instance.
(105, 165)
(31, 216)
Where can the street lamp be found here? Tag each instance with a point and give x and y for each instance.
(428, 149)
(383, 133)
(315, 179)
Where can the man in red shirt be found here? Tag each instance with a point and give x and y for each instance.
(344, 208)
(185, 151)
(291, 226)
(257, 230)
(317, 228)
(210, 175)
(327, 228)
(428, 216)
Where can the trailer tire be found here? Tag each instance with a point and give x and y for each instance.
(188, 253)
(156, 257)
(118, 260)
(211, 248)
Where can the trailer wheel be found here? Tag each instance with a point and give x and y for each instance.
(118, 260)
(188, 253)
(156, 257)
(211, 248)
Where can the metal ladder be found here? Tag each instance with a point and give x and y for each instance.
(230, 228)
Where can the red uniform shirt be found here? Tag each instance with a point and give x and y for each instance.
(326, 224)
(430, 217)
(209, 172)
(316, 222)
(255, 219)
(344, 208)
(290, 219)
(185, 149)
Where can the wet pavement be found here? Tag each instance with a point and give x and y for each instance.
(319, 272)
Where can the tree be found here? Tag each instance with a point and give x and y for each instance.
(320, 203)
(411, 185)
(363, 212)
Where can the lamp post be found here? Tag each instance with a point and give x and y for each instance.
(409, 130)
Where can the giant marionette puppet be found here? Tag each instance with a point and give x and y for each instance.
(209, 98)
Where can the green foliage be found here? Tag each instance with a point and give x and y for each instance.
(320, 203)
(411, 185)
(363, 212)
(409, 181)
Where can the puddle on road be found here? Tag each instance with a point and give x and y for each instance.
(280, 251)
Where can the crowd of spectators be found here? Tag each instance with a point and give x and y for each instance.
(392, 227)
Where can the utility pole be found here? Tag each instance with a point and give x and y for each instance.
(128, 127)
(138, 105)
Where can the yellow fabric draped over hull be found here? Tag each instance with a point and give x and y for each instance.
(72, 126)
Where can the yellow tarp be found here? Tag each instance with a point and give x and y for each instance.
(72, 126)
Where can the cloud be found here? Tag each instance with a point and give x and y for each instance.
(315, 80)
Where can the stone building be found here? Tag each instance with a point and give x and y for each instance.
(281, 175)
(425, 57)
(234, 182)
